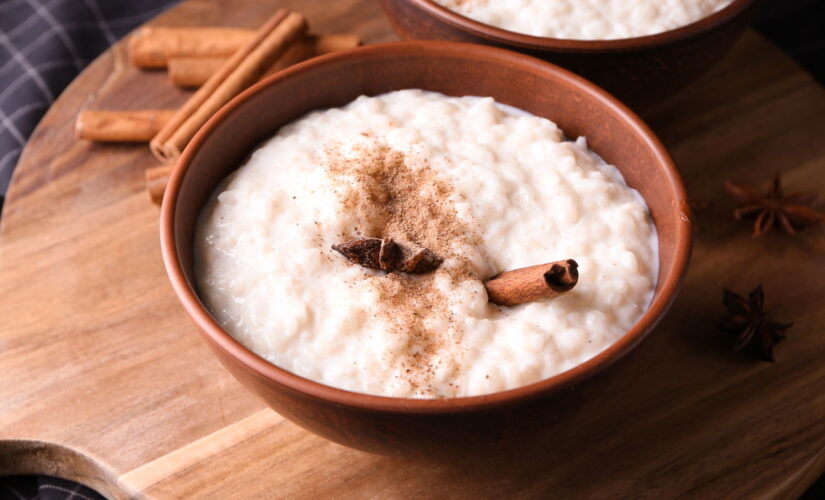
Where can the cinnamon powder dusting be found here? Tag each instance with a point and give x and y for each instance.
(395, 197)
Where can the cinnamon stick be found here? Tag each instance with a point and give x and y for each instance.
(326, 44)
(297, 52)
(241, 70)
(156, 180)
(532, 283)
(121, 126)
(191, 72)
(151, 47)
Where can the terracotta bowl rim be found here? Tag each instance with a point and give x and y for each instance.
(522, 40)
(290, 381)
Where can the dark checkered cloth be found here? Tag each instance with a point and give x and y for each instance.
(44, 488)
(44, 44)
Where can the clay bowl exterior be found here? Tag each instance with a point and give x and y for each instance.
(414, 427)
(641, 71)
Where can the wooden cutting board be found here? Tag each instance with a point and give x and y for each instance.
(105, 381)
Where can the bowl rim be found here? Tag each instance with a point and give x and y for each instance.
(281, 377)
(525, 41)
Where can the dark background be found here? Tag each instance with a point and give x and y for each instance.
(798, 26)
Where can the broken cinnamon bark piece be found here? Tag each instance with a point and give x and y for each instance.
(388, 255)
(365, 252)
(418, 260)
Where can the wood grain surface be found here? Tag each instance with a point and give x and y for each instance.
(106, 382)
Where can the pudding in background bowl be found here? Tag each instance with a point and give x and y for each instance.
(417, 426)
(642, 70)
(586, 20)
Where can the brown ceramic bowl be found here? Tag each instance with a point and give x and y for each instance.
(641, 71)
(415, 427)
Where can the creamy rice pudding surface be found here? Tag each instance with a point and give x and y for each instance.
(586, 19)
(485, 186)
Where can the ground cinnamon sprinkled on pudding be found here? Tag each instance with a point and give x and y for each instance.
(408, 203)
(398, 201)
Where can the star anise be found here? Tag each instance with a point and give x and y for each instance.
(772, 208)
(750, 325)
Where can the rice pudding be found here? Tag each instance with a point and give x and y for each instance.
(484, 186)
(586, 19)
